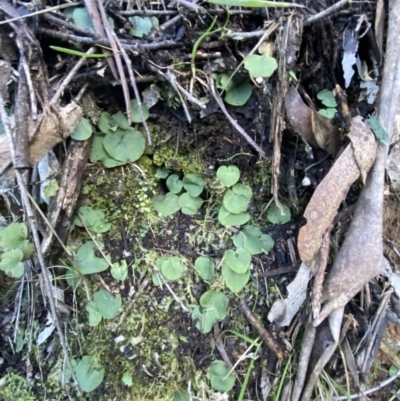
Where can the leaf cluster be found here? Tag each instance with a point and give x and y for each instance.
(188, 202)
(14, 249)
(118, 143)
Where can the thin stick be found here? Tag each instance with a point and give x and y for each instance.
(327, 12)
(46, 10)
(268, 340)
(28, 80)
(70, 76)
(241, 131)
(134, 86)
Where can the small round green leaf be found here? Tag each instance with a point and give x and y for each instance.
(189, 204)
(93, 220)
(98, 153)
(275, 217)
(104, 122)
(83, 131)
(94, 315)
(194, 184)
(260, 66)
(253, 240)
(239, 95)
(81, 18)
(205, 267)
(174, 184)
(204, 319)
(239, 260)
(14, 236)
(107, 305)
(228, 175)
(127, 379)
(237, 198)
(216, 301)
(89, 373)
(120, 120)
(166, 204)
(86, 260)
(11, 263)
(135, 111)
(327, 98)
(234, 281)
(220, 378)
(229, 219)
(173, 268)
(328, 112)
(181, 395)
(119, 270)
(162, 172)
(125, 145)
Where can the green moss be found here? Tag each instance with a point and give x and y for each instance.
(149, 350)
(15, 388)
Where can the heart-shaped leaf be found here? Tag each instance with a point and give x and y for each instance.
(189, 204)
(239, 260)
(93, 220)
(14, 236)
(228, 175)
(83, 131)
(125, 145)
(135, 111)
(172, 268)
(194, 184)
(204, 319)
(234, 281)
(216, 301)
(237, 198)
(327, 98)
(119, 270)
(166, 204)
(275, 217)
(221, 378)
(86, 260)
(260, 66)
(106, 304)
(253, 240)
(11, 263)
(174, 184)
(239, 95)
(120, 120)
(94, 315)
(89, 373)
(205, 267)
(229, 219)
(81, 18)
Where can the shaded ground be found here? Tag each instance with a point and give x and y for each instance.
(152, 349)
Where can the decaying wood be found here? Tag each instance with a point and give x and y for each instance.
(64, 203)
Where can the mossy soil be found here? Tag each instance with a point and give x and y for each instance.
(153, 340)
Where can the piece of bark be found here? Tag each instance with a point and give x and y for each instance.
(63, 205)
(325, 202)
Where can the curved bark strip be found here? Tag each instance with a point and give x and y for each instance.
(356, 159)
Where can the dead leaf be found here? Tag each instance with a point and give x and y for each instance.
(52, 131)
(326, 133)
(299, 115)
